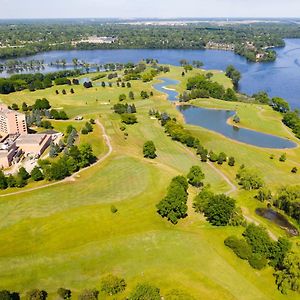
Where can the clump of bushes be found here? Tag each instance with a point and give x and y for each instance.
(239, 246)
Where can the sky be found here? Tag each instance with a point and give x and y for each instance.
(147, 8)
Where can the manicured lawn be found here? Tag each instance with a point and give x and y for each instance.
(67, 236)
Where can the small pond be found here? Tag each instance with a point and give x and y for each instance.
(277, 219)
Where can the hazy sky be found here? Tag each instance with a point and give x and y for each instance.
(148, 8)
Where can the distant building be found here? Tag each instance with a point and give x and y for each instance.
(11, 122)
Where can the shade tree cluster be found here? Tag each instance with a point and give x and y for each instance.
(110, 286)
(219, 209)
(177, 132)
(21, 178)
(36, 81)
(201, 87)
(259, 249)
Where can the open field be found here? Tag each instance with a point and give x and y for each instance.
(66, 235)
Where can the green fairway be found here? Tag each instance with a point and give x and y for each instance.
(66, 235)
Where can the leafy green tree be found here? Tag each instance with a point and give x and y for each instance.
(282, 158)
(23, 173)
(280, 105)
(14, 106)
(258, 238)
(64, 293)
(3, 181)
(149, 150)
(294, 170)
(219, 210)
(131, 95)
(87, 156)
(288, 277)
(112, 285)
(7, 295)
(174, 206)
(234, 75)
(145, 291)
(36, 174)
(230, 95)
(11, 181)
(263, 194)
(278, 252)
(262, 97)
(213, 157)
(122, 97)
(249, 179)
(222, 158)
(231, 161)
(195, 176)
(201, 200)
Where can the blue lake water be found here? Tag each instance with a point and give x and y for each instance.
(279, 78)
(216, 120)
(163, 87)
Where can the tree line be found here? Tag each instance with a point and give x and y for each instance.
(109, 286)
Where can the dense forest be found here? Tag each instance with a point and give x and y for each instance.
(250, 40)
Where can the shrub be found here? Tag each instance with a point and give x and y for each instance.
(282, 158)
(128, 119)
(89, 295)
(178, 295)
(239, 246)
(113, 209)
(257, 261)
(145, 291)
(112, 285)
(294, 170)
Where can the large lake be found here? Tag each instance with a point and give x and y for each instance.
(279, 78)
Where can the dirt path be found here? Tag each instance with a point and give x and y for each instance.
(229, 182)
(233, 187)
(251, 220)
(73, 176)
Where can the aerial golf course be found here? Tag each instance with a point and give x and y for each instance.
(65, 235)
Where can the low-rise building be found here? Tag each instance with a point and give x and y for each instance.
(34, 144)
(9, 151)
